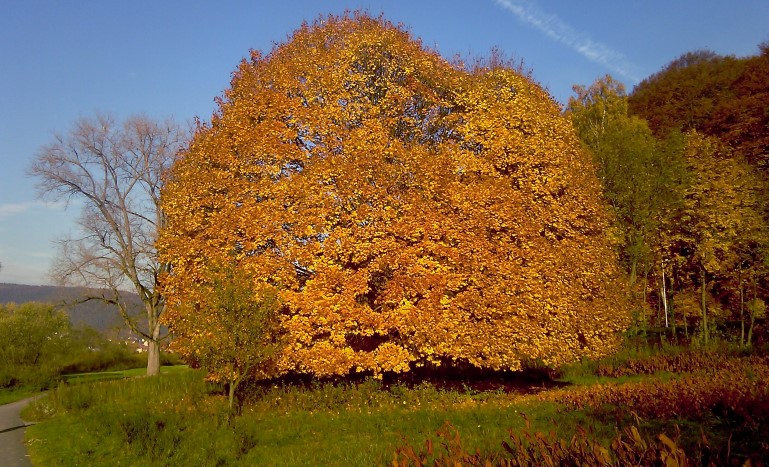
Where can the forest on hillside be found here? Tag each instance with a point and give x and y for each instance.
(683, 163)
(103, 317)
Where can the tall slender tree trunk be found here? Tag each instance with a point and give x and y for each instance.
(685, 318)
(672, 306)
(232, 395)
(647, 319)
(705, 330)
(233, 386)
(658, 319)
(742, 307)
(153, 357)
(632, 294)
(664, 294)
(752, 313)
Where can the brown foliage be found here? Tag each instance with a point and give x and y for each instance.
(629, 447)
(720, 96)
(685, 362)
(734, 387)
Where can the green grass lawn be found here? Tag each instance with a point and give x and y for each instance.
(12, 395)
(16, 394)
(112, 422)
(79, 378)
(179, 419)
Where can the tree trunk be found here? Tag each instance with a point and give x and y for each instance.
(742, 309)
(234, 383)
(153, 340)
(153, 357)
(643, 274)
(657, 319)
(232, 394)
(672, 306)
(752, 313)
(704, 311)
(686, 324)
(664, 295)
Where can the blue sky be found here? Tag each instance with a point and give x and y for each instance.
(62, 60)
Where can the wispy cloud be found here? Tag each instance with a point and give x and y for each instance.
(556, 29)
(10, 209)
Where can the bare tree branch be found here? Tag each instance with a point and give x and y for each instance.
(115, 172)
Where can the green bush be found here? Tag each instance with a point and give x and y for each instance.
(40, 345)
(36, 341)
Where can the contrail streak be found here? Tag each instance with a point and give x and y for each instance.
(556, 29)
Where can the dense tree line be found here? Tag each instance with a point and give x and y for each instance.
(682, 160)
(721, 96)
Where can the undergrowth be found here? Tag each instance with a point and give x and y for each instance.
(535, 448)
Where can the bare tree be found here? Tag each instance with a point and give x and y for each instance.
(115, 172)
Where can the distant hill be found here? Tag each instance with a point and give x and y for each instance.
(98, 315)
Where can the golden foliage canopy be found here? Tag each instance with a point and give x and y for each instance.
(409, 211)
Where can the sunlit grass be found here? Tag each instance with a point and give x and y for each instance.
(16, 394)
(179, 419)
(79, 378)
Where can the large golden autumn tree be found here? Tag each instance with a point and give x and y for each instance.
(407, 211)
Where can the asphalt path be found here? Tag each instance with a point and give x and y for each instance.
(12, 450)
